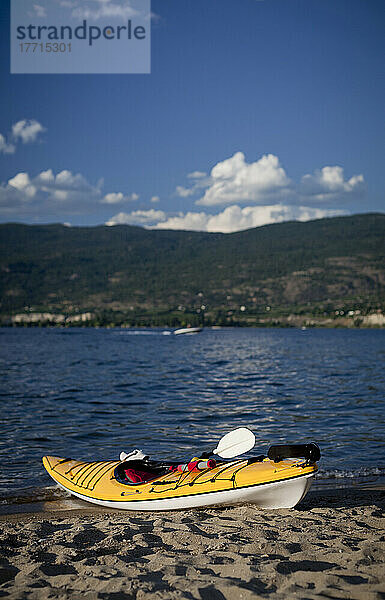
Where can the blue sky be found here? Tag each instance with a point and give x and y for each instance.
(255, 111)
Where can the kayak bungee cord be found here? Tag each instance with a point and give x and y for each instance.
(87, 469)
(100, 476)
(180, 482)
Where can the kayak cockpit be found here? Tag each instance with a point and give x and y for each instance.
(137, 472)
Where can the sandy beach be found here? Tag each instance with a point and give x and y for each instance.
(330, 546)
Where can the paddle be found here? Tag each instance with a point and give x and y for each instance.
(233, 444)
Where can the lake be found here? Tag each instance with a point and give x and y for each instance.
(90, 393)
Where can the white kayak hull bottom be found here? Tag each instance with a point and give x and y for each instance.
(280, 494)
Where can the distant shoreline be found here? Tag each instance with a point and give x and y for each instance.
(321, 273)
(272, 325)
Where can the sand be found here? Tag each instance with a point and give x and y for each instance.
(330, 546)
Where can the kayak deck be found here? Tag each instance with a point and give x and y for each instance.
(266, 483)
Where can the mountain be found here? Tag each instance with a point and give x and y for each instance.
(165, 277)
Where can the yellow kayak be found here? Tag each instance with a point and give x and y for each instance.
(267, 482)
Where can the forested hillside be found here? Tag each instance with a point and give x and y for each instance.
(126, 273)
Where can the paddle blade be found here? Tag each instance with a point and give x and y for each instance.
(235, 442)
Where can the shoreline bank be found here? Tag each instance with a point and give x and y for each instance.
(307, 322)
(330, 545)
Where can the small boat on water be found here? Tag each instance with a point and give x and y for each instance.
(187, 330)
(279, 480)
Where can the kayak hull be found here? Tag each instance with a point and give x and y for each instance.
(269, 496)
(265, 484)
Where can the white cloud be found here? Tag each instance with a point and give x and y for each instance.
(234, 218)
(329, 184)
(119, 197)
(27, 130)
(155, 18)
(113, 198)
(6, 148)
(64, 185)
(137, 217)
(74, 182)
(235, 180)
(61, 195)
(47, 193)
(263, 186)
(47, 176)
(265, 183)
(99, 9)
(40, 11)
(197, 175)
(183, 192)
(22, 183)
(191, 221)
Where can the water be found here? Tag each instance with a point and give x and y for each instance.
(90, 393)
